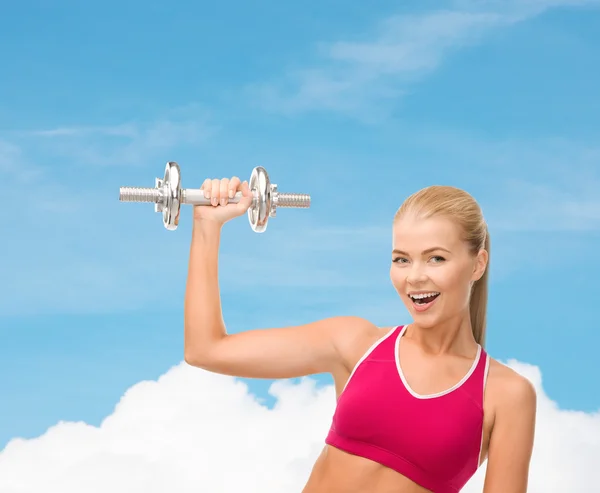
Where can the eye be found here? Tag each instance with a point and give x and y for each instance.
(438, 259)
(399, 260)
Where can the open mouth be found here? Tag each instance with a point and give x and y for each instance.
(423, 298)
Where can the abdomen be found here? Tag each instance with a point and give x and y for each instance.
(336, 471)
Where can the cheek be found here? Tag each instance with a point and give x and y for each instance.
(449, 279)
(455, 282)
(398, 280)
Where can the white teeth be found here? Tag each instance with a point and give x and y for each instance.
(423, 295)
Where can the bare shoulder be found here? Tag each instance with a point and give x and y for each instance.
(513, 400)
(509, 389)
(352, 337)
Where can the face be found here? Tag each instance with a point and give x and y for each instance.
(432, 269)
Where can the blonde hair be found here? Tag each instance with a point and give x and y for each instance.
(463, 209)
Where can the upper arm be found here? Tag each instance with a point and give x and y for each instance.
(511, 441)
(317, 347)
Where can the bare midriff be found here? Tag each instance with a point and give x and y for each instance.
(336, 471)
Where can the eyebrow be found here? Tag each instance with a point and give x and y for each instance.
(429, 250)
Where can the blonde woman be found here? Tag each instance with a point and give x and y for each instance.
(419, 406)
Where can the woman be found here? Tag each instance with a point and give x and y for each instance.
(411, 415)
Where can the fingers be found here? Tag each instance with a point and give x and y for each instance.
(220, 191)
(214, 191)
(234, 184)
(224, 191)
(246, 190)
(206, 186)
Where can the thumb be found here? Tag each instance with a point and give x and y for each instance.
(246, 199)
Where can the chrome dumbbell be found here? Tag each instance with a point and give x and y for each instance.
(168, 196)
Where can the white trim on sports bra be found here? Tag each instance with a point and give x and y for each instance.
(368, 352)
(438, 394)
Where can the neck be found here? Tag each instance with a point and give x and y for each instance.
(451, 336)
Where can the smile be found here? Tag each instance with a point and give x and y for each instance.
(423, 301)
(423, 298)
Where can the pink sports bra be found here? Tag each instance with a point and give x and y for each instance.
(435, 440)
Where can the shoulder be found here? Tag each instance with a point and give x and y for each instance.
(352, 328)
(352, 336)
(513, 429)
(510, 391)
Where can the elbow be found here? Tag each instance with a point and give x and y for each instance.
(204, 359)
(200, 353)
(191, 355)
(195, 358)
(190, 358)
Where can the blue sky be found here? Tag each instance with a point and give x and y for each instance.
(357, 105)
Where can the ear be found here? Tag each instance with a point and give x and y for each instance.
(481, 262)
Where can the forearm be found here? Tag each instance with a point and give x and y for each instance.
(203, 317)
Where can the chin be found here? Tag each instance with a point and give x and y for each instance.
(430, 320)
(425, 321)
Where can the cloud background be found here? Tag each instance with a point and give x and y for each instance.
(359, 106)
(191, 429)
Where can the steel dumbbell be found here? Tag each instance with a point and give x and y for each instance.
(168, 196)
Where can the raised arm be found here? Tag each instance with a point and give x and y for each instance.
(318, 347)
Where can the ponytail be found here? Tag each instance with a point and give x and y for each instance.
(478, 300)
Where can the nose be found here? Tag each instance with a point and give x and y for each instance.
(416, 274)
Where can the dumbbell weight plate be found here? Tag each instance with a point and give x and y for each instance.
(258, 213)
(171, 200)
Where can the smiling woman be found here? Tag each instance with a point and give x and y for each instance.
(420, 406)
(451, 220)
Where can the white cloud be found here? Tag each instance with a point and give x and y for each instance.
(354, 76)
(91, 264)
(15, 169)
(124, 144)
(535, 207)
(521, 9)
(61, 217)
(546, 185)
(195, 431)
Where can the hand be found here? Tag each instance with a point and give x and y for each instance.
(220, 191)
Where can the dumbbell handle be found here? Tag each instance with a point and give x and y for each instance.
(289, 200)
(196, 197)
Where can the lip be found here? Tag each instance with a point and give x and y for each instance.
(423, 308)
(410, 293)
